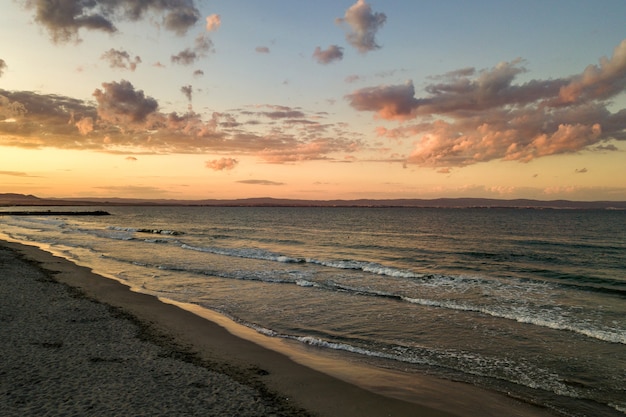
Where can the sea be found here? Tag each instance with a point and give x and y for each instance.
(530, 303)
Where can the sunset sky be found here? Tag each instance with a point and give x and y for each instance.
(317, 99)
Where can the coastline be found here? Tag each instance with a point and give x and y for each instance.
(282, 381)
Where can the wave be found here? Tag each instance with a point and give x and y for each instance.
(515, 313)
(518, 314)
(457, 361)
(526, 316)
(261, 254)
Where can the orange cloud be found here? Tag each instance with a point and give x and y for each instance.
(222, 164)
(213, 22)
(127, 121)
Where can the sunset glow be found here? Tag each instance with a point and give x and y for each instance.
(313, 100)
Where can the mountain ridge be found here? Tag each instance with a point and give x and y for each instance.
(14, 199)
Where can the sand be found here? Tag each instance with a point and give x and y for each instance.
(76, 344)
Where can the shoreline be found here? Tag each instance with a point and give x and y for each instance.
(201, 336)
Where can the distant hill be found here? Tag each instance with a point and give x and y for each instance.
(10, 200)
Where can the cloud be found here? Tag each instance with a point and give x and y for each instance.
(262, 49)
(124, 120)
(203, 45)
(131, 158)
(333, 53)
(84, 125)
(260, 182)
(15, 174)
(395, 102)
(198, 73)
(363, 25)
(121, 59)
(213, 22)
(187, 90)
(3, 66)
(63, 19)
(119, 103)
(581, 171)
(222, 164)
(133, 190)
(352, 78)
(469, 116)
(31, 119)
(185, 57)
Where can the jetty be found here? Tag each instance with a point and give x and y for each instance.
(55, 213)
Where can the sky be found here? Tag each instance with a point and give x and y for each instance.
(215, 99)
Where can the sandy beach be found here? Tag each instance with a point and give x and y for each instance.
(75, 343)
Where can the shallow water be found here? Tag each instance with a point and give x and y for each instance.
(527, 302)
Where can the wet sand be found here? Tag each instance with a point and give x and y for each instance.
(76, 343)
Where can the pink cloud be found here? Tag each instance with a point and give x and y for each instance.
(471, 116)
(331, 54)
(262, 49)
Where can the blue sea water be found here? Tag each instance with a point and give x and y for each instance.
(530, 303)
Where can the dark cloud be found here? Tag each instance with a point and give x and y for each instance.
(198, 73)
(472, 116)
(186, 57)
(261, 182)
(120, 103)
(364, 24)
(333, 53)
(389, 101)
(187, 90)
(284, 114)
(581, 171)
(222, 164)
(63, 19)
(203, 46)
(3, 66)
(262, 49)
(121, 59)
(31, 120)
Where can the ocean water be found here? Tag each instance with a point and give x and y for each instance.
(530, 303)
